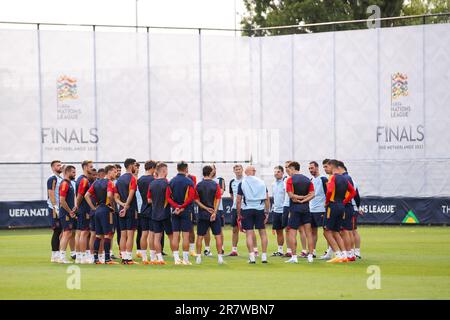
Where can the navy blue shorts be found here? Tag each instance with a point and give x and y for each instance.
(67, 223)
(182, 222)
(104, 221)
(234, 218)
(297, 219)
(83, 220)
(333, 219)
(277, 221)
(145, 223)
(252, 219)
(162, 226)
(317, 219)
(285, 217)
(347, 220)
(56, 224)
(129, 221)
(203, 225)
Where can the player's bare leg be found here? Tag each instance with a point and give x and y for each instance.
(309, 237)
(129, 245)
(175, 243)
(207, 238)
(144, 245)
(77, 246)
(84, 235)
(192, 243)
(185, 246)
(65, 239)
(250, 236)
(198, 248)
(264, 242)
(219, 247)
(292, 242)
(303, 241)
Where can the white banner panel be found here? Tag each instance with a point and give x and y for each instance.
(313, 119)
(122, 95)
(437, 91)
(175, 97)
(67, 80)
(19, 96)
(401, 132)
(356, 94)
(377, 99)
(276, 103)
(226, 98)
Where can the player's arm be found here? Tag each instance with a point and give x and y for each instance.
(351, 193)
(62, 198)
(51, 186)
(239, 195)
(88, 198)
(290, 191)
(324, 184)
(231, 191)
(118, 201)
(238, 204)
(149, 195)
(199, 203)
(266, 207)
(357, 198)
(190, 197)
(330, 189)
(218, 196)
(111, 192)
(131, 193)
(81, 191)
(169, 199)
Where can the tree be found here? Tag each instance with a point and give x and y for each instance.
(271, 13)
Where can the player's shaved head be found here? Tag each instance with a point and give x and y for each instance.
(160, 166)
(250, 171)
(182, 166)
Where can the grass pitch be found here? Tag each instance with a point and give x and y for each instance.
(414, 264)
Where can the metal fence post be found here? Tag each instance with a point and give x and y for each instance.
(95, 88)
(200, 89)
(41, 115)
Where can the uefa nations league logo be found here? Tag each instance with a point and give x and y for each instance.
(66, 88)
(67, 98)
(399, 85)
(400, 108)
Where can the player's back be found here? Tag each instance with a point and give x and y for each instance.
(67, 190)
(100, 187)
(143, 184)
(301, 186)
(157, 192)
(207, 192)
(124, 184)
(82, 185)
(179, 186)
(340, 188)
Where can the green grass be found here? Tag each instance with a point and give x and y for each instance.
(414, 263)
